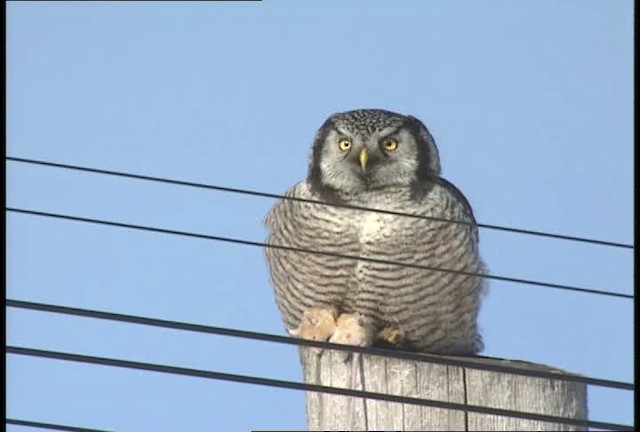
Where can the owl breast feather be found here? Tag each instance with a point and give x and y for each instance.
(437, 310)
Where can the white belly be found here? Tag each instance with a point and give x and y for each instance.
(373, 226)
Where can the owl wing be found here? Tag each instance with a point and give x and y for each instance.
(303, 280)
(438, 309)
(459, 196)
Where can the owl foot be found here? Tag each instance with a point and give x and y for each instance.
(317, 324)
(392, 336)
(352, 329)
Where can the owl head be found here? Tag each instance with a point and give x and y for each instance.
(369, 149)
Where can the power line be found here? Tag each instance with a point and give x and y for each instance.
(51, 426)
(315, 252)
(404, 355)
(310, 201)
(246, 379)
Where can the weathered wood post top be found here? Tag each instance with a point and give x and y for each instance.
(439, 382)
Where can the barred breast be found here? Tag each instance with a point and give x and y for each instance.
(436, 310)
(305, 280)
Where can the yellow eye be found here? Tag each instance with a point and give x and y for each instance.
(390, 144)
(344, 144)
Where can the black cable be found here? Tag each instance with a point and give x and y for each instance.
(404, 355)
(246, 379)
(302, 250)
(50, 426)
(271, 195)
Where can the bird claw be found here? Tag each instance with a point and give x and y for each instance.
(392, 336)
(317, 324)
(352, 330)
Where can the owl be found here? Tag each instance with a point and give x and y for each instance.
(379, 160)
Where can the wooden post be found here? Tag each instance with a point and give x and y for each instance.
(436, 382)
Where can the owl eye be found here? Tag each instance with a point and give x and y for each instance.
(389, 144)
(344, 144)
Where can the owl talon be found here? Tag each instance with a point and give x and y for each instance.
(392, 335)
(317, 324)
(352, 329)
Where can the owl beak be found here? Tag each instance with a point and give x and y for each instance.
(363, 157)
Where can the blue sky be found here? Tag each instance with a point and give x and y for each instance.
(530, 103)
